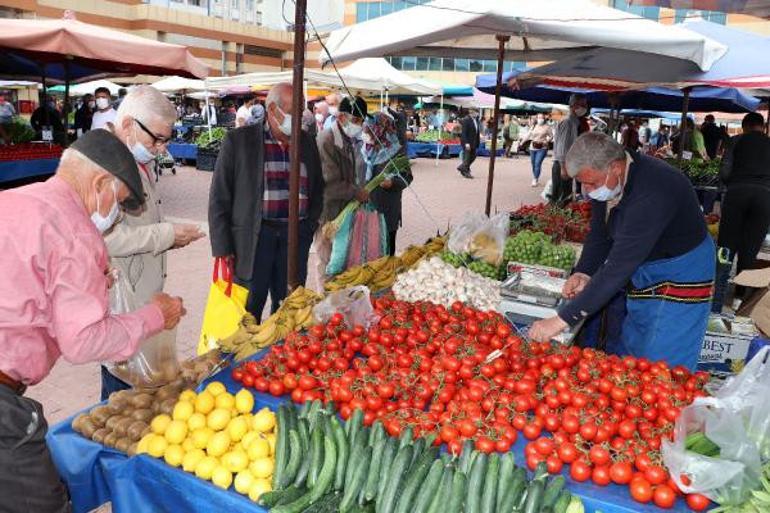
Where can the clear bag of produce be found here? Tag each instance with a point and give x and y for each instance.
(156, 362)
(481, 236)
(353, 303)
(737, 421)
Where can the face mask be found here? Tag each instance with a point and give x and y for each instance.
(102, 103)
(366, 138)
(140, 152)
(101, 222)
(541, 122)
(319, 117)
(352, 130)
(580, 112)
(604, 193)
(285, 126)
(333, 111)
(91, 104)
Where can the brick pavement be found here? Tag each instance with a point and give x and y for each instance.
(444, 194)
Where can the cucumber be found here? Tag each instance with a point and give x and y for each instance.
(562, 502)
(316, 456)
(417, 448)
(541, 472)
(322, 504)
(360, 472)
(356, 453)
(290, 414)
(465, 457)
(388, 455)
(281, 448)
(441, 497)
(535, 492)
(296, 506)
(313, 413)
(377, 433)
(295, 459)
(343, 452)
(504, 480)
(429, 439)
(459, 491)
(428, 487)
(514, 490)
(406, 438)
(546, 509)
(489, 491)
(373, 477)
(446, 458)
(476, 483)
(353, 424)
(552, 491)
(276, 497)
(325, 480)
(414, 480)
(304, 409)
(395, 477)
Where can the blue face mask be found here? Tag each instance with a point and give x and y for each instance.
(140, 152)
(604, 193)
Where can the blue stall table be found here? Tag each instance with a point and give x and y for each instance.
(18, 169)
(429, 150)
(483, 151)
(183, 151)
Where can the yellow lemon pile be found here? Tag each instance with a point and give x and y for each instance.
(215, 436)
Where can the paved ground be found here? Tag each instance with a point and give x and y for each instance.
(439, 196)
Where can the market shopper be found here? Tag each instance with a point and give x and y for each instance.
(320, 113)
(84, 115)
(647, 235)
(7, 113)
(564, 136)
(249, 202)
(511, 136)
(539, 136)
(54, 302)
(712, 136)
(470, 138)
(333, 104)
(243, 116)
(105, 114)
(138, 243)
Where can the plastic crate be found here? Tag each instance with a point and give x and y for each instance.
(207, 159)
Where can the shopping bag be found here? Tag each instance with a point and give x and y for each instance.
(361, 238)
(225, 307)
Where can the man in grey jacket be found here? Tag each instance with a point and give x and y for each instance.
(565, 134)
(248, 202)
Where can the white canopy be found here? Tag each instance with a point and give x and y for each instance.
(89, 87)
(175, 84)
(539, 30)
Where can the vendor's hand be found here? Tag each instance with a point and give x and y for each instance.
(171, 308)
(545, 329)
(184, 234)
(575, 285)
(362, 196)
(111, 275)
(387, 183)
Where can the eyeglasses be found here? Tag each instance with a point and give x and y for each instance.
(157, 140)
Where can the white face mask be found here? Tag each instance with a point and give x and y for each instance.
(541, 122)
(604, 193)
(101, 222)
(319, 117)
(285, 125)
(102, 103)
(332, 111)
(140, 152)
(351, 129)
(580, 112)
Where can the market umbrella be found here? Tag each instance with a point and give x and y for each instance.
(87, 88)
(483, 100)
(378, 73)
(177, 84)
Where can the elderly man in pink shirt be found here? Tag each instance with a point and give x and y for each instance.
(54, 301)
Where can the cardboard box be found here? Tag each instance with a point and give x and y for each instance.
(758, 304)
(724, 353)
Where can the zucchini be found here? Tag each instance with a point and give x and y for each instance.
(562, 502)
(413, 482)
(535, 492)
(489, 491)
(504, 480)
(441, 497)
(465, 457)
(459, 491)
(295, 459)
(388, 455)
(316, 456)
(476, 483)
(276, 497)
(360, 472)
(343, 452)
(372, 479)
(395, 477)
(281, 448)
(406, 438)
(325, 480)
(552, 491)
(428, 488)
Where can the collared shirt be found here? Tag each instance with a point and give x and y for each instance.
(275, 204)
(564, 136)
(54, 299)
(6, 112)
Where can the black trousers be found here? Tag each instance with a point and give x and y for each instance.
(469, 156)
(392, 242)
(29, 481)
(744, 223)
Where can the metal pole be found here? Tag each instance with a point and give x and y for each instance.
(496, 117)
(438, 143)
(296, 133)
(683, 126)
(767, 120)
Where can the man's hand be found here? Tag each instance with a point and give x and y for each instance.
(184, 234)
(362, 196)
(170, 307)
(545, 329)
(468, 147)
(387, 183)
(575, 285)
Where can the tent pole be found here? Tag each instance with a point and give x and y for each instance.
(767, 119)
(65, 106)
(298, 65)
(438, 142)
(683, 126)
(495, 119)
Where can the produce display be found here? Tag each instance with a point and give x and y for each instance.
(700, 172)
(214, 435)
(29, 151)
(423, 368)
(211, 139)
(434, 136)
(570, 223)
(439, 282)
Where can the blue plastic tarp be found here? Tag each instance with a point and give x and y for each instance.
(19, 66)
(18, 169)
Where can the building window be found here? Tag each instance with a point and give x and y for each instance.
(361, 14)
(475, 65)
(395, 62)
(448, 65)
(649, 12)
(374, 10)
(462, 65)
(408, 63)
(490, 66)
(386, 8)
(435, 64)
(422, 63)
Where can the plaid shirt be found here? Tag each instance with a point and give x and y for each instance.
(275, 199)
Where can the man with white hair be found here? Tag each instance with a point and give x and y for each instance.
(53, 302)
(249, 201)
(647, 237)
(138, 243)
(320, 112)
(332, 104)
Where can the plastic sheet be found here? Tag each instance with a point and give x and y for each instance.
(353, 303)
(482, 236)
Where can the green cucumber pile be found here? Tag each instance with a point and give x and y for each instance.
(322, 466)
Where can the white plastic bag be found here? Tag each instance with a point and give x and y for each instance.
(547, 190)
(156, 362)
(482, 236)
(353, 303)
(737, 419)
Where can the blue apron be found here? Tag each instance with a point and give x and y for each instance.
(668, 307)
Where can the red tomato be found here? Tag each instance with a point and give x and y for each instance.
(621, 472)
(601, 475)
(544, 445)
(641, 491)
(248, 380)
(599, 455)
(554, 464)
(656, 475)
(467, 428)
(697, 502)
(484, 444)
(580, 471)
(276, 388)
(532, 431)
(664, 497)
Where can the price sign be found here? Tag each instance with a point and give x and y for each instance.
(687, 155)
(47, 134)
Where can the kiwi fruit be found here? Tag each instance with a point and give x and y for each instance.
(110, 440)
(121, 427)
(99, 435)
(167, 406)
(144, 414)
(100, 414)
(113, 421)
(77, 423)
(87, 428)
(141, 401)
(132, 449)
(123, 444)
(135, 430)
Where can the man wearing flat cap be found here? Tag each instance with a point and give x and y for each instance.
(54, 301)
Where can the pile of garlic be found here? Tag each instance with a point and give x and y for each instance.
(436, 281)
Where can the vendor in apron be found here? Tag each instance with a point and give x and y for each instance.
(647, 236)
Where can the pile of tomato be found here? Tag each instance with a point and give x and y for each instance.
(423, 365)
(29, 151)
(570, 223)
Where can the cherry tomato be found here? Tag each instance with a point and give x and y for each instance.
(580, 471)
(601, 475)
(641, 490)
(621, 472)
(664, 497)
(697, 502)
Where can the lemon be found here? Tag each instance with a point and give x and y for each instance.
(176, 431)
(237, 428)
(141, 447)
(174, 455)
(242, 482)
(215, 388)
(218, 419)
(270, 437)
(218, 444)
(244, 401)
(191, 459)
(200, 437)
(183, 410)
(263, 421)
(262, 467)
(222, 477)
(188, 396)
(188, 444)
(205, 467)
(225, 401)
(259, 448)
(248, 438)
(156, 447)
(259, 487)
(159, 424)
(204, 403)
(197, 420)
(235, 461)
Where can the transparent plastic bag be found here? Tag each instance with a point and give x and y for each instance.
(156, 362)
(737, 419)
(481, 236)
(353, 303)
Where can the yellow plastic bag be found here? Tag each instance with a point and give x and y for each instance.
(224, 309)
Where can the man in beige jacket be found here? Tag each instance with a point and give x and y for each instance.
(137, 244)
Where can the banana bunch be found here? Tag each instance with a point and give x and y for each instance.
(296, 312)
